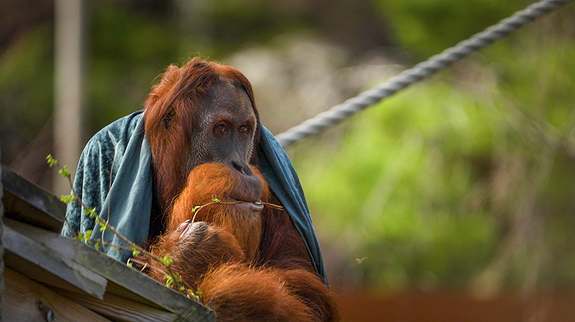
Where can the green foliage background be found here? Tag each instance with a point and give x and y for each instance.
(463, 181)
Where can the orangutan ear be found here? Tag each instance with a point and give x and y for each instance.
(169, 116)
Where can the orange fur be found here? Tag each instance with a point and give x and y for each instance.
(225, 261)
(215, 179)
(239, 293)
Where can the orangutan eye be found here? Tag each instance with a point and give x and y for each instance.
(243, 129)
(220, 128)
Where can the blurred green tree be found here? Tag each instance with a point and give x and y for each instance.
(464, 181)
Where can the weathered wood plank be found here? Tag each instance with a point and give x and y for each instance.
(26, 202)
(120, 309)
(56, 259)
(26, 300)
(127, 282)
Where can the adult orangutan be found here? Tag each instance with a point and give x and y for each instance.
(200, 135)
(248, 260)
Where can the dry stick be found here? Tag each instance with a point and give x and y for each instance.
(197, 209)
(103, 242)
(145, 265)
(272, 205)
(70, 227)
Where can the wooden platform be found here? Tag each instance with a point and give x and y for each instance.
(48, 277)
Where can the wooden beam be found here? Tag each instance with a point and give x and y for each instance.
(120, 309)
(21, 244)
(26, 300)
(26, 202)
(75, 258)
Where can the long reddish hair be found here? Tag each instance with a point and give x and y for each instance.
(171, 107)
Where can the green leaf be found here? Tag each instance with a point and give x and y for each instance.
(91, 212)
(196, 208)
(177, 277)
(87, 235)
(135, 251)
(51, 161)
(215, 199)
(67, 198)
(64, 171)
(169, 280)
(167, 260)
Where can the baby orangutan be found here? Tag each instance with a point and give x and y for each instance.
(223, 247)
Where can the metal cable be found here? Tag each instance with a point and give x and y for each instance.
(420, 71)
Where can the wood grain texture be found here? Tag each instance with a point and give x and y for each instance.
(57, 258)
(26, 300)
(26, 202)
(120, 309)
(93, 272)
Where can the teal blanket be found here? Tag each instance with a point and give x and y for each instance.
(114, 176)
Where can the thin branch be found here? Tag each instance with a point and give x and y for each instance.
(178, 282)
(215, 201)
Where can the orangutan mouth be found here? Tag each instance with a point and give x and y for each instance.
(254, 206)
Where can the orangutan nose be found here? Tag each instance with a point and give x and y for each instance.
(242, 167)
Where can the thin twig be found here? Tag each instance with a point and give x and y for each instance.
(178, 282)
(214, 201)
